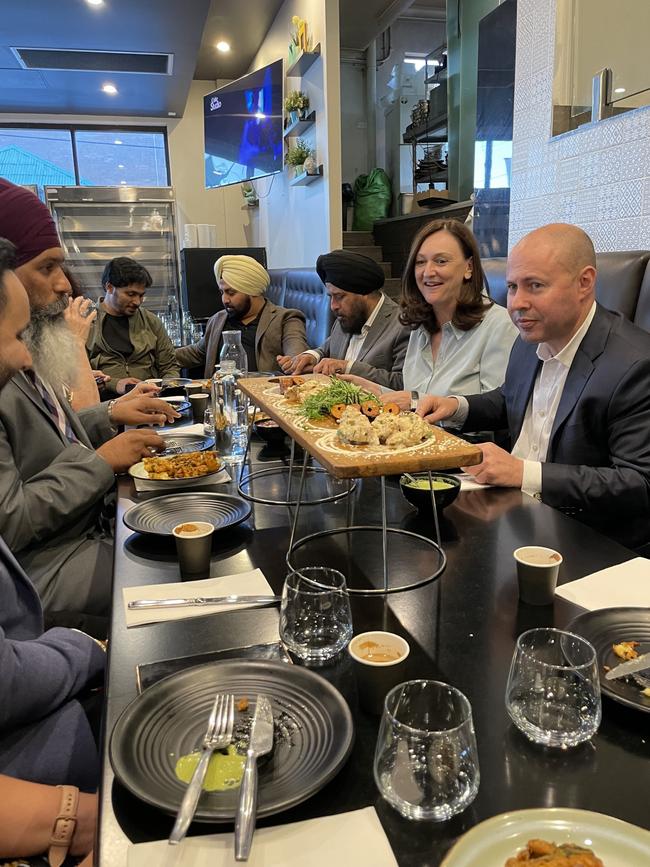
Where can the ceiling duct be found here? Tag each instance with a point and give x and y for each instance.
(76, 60)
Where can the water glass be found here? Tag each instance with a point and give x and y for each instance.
(426, 761)
(553, 691)
(315, 616)
(208, 422)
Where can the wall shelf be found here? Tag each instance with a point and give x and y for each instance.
(303, 178)
(300, 126)
(302, 64)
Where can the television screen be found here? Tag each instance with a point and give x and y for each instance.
(243, 128)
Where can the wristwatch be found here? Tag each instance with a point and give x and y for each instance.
(415, 396)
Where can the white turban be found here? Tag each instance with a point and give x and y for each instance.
(243, 274)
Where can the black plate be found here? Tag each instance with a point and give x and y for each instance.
(313, 738)
(177, 401)
(188, 442)
(611, 626)
(161, 514)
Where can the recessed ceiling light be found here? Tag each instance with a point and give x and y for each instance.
(619, 90)
(95, 2)
(223, 46)
(109, 88)
(118, 141)
(122, 182)
(171, 114)
(120, 165)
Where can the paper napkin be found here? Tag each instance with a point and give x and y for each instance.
(627, 584)
(349, 838)
(251, 583)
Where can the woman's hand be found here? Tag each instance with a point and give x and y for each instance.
(78, 323)
(401, 398)
(372, 387)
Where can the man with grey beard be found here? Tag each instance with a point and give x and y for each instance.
(58, 466)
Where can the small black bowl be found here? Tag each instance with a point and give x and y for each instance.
(269, 430)
(421, 497)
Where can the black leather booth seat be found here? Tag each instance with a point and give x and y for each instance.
(302, 288)
(622, 284)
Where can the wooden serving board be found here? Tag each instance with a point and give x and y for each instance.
(442, 451)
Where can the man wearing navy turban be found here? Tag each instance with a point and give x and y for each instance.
(367, 338)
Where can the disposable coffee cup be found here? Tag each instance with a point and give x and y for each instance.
(196, 388)
(199, 403)
(537, 571)
(194, 546)
(380, 664)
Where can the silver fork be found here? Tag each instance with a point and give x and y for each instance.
(217, 736)
(172, 448)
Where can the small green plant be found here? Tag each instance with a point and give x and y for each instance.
(298, 153)
(296, 101)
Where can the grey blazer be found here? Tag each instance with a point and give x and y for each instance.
(44, 732)
(598, 464)
(51, 491)
(280, 331)
(382, 354)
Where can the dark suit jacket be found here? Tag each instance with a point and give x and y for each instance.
(280, 331)
(598, 463)
(44, 733)
(382, 354)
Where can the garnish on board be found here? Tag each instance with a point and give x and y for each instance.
(319, 405)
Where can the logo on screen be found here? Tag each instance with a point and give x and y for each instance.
(215, 103)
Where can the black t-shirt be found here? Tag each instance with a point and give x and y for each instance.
(116, 333)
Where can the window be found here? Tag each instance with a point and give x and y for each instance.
(83, 156)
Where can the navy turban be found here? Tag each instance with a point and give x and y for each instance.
(350, 272)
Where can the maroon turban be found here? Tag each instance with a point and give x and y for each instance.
(26, 222)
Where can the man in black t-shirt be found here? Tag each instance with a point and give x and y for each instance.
(126, 341)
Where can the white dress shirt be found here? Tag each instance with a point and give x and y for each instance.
(534, 437)
(356, 340)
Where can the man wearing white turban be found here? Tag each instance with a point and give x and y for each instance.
(266, 329)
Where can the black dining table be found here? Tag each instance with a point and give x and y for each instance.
(461, 629)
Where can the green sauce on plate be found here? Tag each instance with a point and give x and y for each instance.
(225, 770)
(423, 485)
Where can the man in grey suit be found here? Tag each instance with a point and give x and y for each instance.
(266, 329)
(44, 733)
(575, 397)
(57, 466)
(367, 338)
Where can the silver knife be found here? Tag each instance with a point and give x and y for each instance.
(629, 667)
(234, 599)
(261, 742)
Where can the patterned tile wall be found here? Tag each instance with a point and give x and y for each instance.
(597, 177)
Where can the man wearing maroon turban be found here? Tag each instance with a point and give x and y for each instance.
(367, 338)
(53, 482)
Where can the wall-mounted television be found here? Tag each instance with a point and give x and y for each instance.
(243, 128)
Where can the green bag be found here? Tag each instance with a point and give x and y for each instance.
(372, 197)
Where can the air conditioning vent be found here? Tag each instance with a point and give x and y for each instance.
(93, 61)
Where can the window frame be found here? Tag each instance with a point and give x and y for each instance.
(99, 127)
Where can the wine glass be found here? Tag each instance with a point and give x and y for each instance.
(553, 691)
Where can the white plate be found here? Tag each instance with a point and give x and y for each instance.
(490, 844)
(137, 471)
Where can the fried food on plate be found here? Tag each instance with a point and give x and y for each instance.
(188, 466)
(540, 853)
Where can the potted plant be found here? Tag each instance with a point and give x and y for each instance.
(297, 154)
(296, 104)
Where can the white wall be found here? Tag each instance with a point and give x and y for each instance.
(597, 177)
(354, 145)
(297, 224)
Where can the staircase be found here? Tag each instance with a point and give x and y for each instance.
(364, 243)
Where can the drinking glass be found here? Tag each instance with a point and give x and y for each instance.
(315, 616)
(553, 691)
(426, 762)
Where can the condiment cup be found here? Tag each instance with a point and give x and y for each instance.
(537, 579)
(194, 547)
(380, 664)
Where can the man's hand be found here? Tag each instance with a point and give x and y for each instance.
(139, 390)
(330, 366)
(372, 387)
(498, 467)
(434, 409)
(128, 448)
(100, 377)
(401, 398)
(295, 364)
(144, 410)
(76, 320)
(121, 385)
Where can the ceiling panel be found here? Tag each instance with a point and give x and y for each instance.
(156, 26)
